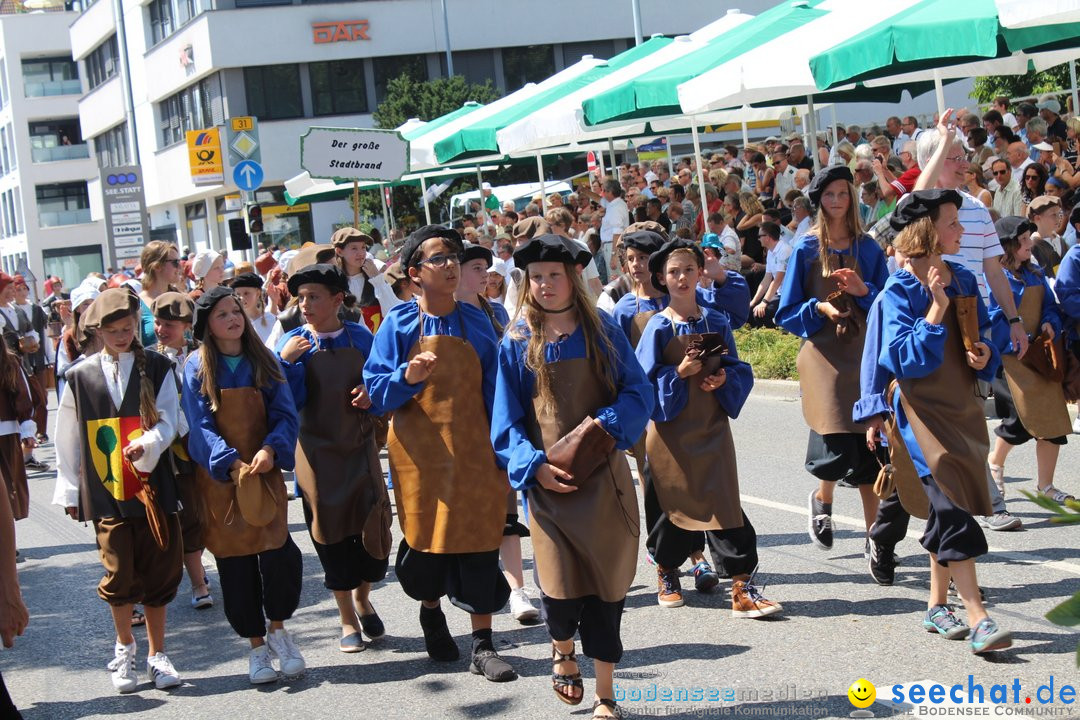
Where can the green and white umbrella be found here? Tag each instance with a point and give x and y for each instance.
(948, 39)
(654, 94)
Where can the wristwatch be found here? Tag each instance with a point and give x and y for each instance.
(1015, 320)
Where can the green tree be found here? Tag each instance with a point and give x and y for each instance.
(427, 100)
(1032, 83)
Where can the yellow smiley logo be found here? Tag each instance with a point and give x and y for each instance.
(862, 693)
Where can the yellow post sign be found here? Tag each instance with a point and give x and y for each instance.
(245, 122)
(204, 156)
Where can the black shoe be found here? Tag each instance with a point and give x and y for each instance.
(19, 557)
(373, 626)
(438, 641)
(487, 662)
(882, 562)
(36, 465)
(820, 522)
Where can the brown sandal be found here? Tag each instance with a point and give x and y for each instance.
(616, 711)
(570, 680)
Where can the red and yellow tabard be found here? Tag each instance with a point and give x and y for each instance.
(108, 438)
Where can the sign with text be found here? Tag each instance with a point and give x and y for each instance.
(204, 157)
(339, 31)
(354, 154)
(125, 214)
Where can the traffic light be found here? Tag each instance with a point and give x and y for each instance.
(254, 219)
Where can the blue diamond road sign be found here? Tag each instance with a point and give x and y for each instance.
(248, 175)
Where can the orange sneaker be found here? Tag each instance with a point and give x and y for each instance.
(669, 593)
(747, 602)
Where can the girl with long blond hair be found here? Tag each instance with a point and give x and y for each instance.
(243, 432)
(567, 371)
(118, 416)
(160, 263)
(832, 279)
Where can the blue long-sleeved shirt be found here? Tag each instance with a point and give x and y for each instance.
(352, 335)
(384, 371)
(1067, 287)
(732, 298)
(1048, 313)
(797, 313)
(671, 391)
(205, 444)
(910, 347)
(624, 419)
(873, 378)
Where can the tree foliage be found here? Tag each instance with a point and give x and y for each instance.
(426, 100)
(407, 98)
(1013, 86)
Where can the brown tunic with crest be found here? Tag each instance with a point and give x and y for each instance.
(946, 418)
(450, 494)
(337, 460)
(241, 422)
(829, 366)
(585, 542)
(693, 456)
(1039, 401)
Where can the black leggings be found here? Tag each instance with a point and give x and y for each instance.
(269, 581)
(599, 623)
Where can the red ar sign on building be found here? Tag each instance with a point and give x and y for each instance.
(339, 31)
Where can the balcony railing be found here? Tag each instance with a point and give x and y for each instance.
(63, 217)
(53, 87)
(60, 152)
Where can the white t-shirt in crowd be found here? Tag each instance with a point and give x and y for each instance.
(979, 241)
(776, 260)
(616, 218)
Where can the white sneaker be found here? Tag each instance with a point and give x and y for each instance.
(124, 677)
(521, 606)
(1076, 425)
(161, 671)
(288, 655)
(260, 669)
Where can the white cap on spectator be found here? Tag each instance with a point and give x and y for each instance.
(1043, 145)
(203, 262)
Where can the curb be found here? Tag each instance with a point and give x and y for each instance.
(779, 389)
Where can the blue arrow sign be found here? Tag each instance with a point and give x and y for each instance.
(248, 175)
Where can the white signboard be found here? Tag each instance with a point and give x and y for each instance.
(354, 154)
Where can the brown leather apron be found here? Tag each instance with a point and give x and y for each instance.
(908, 485)
(584, 542)
(337, 462)
(693, 456)
(1040, 402)
(241, 422)
(450, 495)
(948, 424)
(829, 367)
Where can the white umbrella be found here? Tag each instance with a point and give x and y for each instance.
(1029, 13)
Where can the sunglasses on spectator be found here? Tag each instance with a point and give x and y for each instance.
(1031, 177)
(1001, 172)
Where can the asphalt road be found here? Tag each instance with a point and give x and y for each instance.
(838, 625)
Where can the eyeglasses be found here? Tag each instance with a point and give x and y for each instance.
(955, 158)
(175, 262)
(1001, 172)
(441, 261)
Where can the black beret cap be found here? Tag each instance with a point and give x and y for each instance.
(331, 276)
(645, 241)
(1011, 227)
(920, 203)
(173, 306)
(551, 248)
(420, 235)
(824, 177)
(203, 307)
(658, 258)
(478, 252)
(249, 280)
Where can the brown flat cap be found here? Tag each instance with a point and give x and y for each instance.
(531, 227)
(173, 306)
(344, 236)
(110, 306)
(650, 225)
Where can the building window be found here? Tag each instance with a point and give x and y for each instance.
(3, 150)
(273, 92)
(57, 140)
(338, 88)
(102, 63)
(72, 264)
(111, 147)
(526, 64)
(51, 76)
(63, 204)
(388, 68)
(196, 107)
(476, 66)
(168, 16)
(573, 52)
(3, 83)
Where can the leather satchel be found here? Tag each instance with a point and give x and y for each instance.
(706, 345)
(1046, 357)
(254, 498)
(582, 450)
(967, 317)
(846, 327)
(155, 517)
